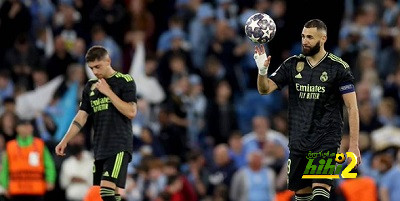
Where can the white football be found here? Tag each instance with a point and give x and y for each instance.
(260, 28)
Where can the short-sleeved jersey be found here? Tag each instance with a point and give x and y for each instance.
(112, 130)
(315, 100)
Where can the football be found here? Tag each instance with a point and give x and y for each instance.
(340, 158)
(260, 28)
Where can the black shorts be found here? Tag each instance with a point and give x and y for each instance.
(296, 166)
(113, 169)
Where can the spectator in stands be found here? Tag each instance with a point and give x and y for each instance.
(389, 57)
(12, 13)
(39, 77)
(196, 110)
(236, 149)
(221, 117)
(389, 183)
(175, 26)
(21, 59)
(9, 105)
(41, 12)
(198, 173)
(150, 141)
(180, 182)
(223, 46)
(6, 85)
(213, 73)
(76, 171)
(68, 26)
(253, 182)
(110, 15)
(171, 70)
(368, 117)
(271, 142)
(178, 102)
(59, 61)
(100, 37)
(174, 188)
(387, 113)
(170, 135)
(139, 18)
(392, 86)
(8, 122)
(201, 33)
(222, 172)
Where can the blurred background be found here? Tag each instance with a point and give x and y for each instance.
(202, 131)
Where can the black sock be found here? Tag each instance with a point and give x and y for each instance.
(320, 194)
(303, 197)
(118, 197)
(107, 194)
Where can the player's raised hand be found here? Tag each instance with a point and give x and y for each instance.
(60, 149)
(103, 86)
(261, 59)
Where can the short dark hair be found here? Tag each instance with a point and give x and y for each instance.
(173, 161)
(319, 24)
(172, 178)
(95, 53)
(193, 155)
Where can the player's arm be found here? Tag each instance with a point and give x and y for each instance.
(76, 125)
(350, 101)
(129, 109)
(264, 84)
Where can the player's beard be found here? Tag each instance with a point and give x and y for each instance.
(312, 51)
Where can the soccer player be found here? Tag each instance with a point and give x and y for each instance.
(319, 83)
(111, 101)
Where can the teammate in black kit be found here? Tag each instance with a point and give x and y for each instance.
(319, 84)
(111, 101)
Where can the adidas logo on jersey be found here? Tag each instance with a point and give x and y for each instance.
(298, 76)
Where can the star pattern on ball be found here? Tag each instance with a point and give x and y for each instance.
(260, 28)
(253, 25)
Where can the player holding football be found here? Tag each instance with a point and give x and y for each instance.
(111, 101)
(319, 83)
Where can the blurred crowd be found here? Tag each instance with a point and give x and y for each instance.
(202, 131)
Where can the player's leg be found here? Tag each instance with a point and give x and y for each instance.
(107, 190)
(301, 187)
(114, 176)
(117, 195)
(123, 174)
(106, 187)
(321, 192)
(321, 187)
(110, 168)
(304, 194)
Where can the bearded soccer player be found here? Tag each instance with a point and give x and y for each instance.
(319, 84)
(111, 101)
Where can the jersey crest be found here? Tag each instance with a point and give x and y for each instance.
(92, 88)
(324, 77)
(300, 66)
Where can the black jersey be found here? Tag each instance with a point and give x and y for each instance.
(315, 100)
(112, 130)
